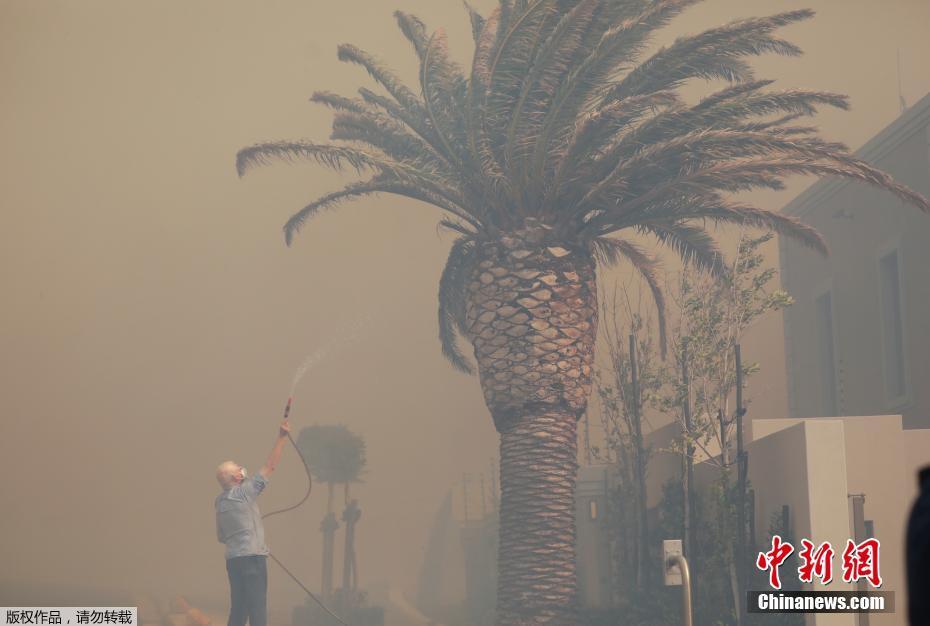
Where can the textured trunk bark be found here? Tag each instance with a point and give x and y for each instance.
(536, 559)
(531, 314)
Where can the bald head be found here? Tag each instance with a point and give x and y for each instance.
(229, 474)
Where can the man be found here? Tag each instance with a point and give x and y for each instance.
(239, 526)
(918, 554)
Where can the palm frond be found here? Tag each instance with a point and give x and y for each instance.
(722, 111)
(350, 192)
(594, 131)
(333, 157)
(609, 251)
(712, 54)
(452, 301)
(385, 77)
(732, 91)
(339, 103)
(377, 184)
(477, 22)
(442, 84)
(414, 30)
(479, 143)
(740, 176)
(416, 123)
(692, 243)
(455, 226)
(696, 150)
(434, 181)
(385, 135)
(719, 210)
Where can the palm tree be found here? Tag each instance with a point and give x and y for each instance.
(559, 137)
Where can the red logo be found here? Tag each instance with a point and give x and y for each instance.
(861, 561)
(772, 559)
(817, 562)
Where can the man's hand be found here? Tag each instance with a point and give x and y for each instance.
(284, 429)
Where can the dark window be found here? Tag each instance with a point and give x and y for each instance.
(892, 326)
(827, 356)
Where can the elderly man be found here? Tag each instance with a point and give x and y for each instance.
(239, 526)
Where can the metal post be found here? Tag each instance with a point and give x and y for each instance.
(587, 439)
(858, 507)
(724, 440)
(682, 562)
(465, 496)
(688, 486)
(328, 527)
(643, 534)
(484, 508)
(494, 493)
(350, 516)
(741, 468)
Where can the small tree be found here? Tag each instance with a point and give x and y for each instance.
(628, 388)
(335, 455)
(714, 315)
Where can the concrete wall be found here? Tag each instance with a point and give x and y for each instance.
(803, 465)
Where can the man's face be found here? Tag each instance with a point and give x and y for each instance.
(239, 475)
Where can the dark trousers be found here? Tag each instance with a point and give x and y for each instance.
(248, 589)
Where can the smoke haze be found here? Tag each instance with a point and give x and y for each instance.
(153, 318)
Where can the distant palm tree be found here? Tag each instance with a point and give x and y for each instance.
(335, 455)
(558, 138)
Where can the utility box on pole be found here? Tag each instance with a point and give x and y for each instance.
(671, 548)
(675, 568)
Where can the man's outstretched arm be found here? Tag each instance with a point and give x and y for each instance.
(275, 456)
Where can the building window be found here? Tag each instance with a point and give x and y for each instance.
(827, 356)
(889, 274)
(592, 509)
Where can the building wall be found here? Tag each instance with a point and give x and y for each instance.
(917, 455)
(592, 541)
(860, 224)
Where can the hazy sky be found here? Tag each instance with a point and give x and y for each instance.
(152, 317)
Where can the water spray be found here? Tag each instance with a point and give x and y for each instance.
(309, 362)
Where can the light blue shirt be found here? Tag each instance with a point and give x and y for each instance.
(238, 520)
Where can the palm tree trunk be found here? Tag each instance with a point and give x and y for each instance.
(531, 313)
(536, 559)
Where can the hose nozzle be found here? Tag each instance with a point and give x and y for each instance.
(287, 409)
